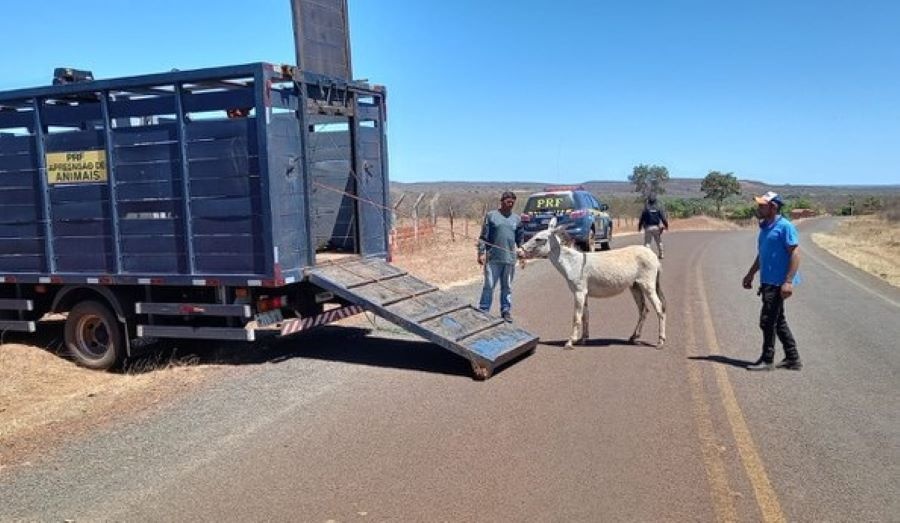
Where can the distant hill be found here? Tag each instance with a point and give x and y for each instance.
(676, 187)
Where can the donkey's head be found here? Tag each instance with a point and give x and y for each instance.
(539, 244)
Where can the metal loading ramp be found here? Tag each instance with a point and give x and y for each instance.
(423, 309)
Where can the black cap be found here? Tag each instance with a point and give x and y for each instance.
(508, 194)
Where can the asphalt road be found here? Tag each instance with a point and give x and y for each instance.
(349, 426)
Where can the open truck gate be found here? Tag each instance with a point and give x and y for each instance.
(423, 309)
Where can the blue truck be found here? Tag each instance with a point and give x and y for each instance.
(227, 203)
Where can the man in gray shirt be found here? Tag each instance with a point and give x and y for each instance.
(499, 246)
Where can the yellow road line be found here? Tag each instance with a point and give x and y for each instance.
(723, 502)
(753, 465)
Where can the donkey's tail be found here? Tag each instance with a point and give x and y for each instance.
(659, 291)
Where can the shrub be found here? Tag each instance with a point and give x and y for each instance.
(891, 211)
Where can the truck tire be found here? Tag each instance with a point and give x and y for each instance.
(94, 337)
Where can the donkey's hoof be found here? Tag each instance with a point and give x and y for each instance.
(632, 340)
(661, 345)
(569, 346)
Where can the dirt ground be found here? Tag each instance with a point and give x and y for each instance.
(46, 398)
(869, 243)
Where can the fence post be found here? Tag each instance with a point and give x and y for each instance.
(416, 217)
(450, 212)
(394, 210)
(433, 207)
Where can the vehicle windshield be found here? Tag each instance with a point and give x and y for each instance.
(550, 202)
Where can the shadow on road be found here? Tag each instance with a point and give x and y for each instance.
(725, 360)
(356, 345)
(601, 342)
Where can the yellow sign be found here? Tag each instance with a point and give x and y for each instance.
(76, 167)
(549, 202)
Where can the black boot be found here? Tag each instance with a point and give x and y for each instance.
(790, 364)
(761, 364)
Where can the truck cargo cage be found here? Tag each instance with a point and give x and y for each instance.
(210, 174)
(143, 205)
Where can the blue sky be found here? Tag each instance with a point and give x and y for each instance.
(800, 92)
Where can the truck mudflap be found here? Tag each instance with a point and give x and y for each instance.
(422, 309)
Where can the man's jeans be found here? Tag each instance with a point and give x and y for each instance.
(653, 233)
(773, 323)
(494, 272)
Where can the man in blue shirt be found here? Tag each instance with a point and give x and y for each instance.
(777, 262)
(499, 245)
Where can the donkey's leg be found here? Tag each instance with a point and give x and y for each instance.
(641, 303)
(650, 290)
(585, 320)
(580, 297)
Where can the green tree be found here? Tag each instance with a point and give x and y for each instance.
(871, 204)
(649, 179)
(719, 186)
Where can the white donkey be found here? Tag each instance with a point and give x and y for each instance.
(601, 275)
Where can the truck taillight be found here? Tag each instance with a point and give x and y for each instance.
(580, 213)
(526, 217)
(271, 304)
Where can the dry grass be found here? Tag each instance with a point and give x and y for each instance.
(870, 243)
(45, 398)
(443, 260)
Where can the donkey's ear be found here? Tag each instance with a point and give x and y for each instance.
(552, 223)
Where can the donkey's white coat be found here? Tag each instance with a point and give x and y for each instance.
(601, 275)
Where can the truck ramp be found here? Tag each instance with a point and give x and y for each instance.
(422, 309)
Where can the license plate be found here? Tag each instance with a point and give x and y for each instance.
(268, 318)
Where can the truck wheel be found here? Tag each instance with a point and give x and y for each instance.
(94, 336)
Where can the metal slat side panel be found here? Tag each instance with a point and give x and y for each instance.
(300, 90)
(286, 189)
(16, 305)
(192, 309)
(111, 181)
(263, 116)
(331, 166)
(373, 206)
(133, 82)
(49, 255)
(188, 222)
(18, 326)
(197, 333)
